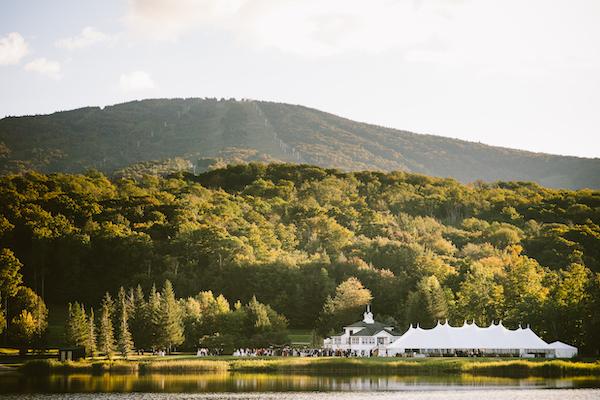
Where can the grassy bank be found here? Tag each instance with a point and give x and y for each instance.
(524, 368)
(345, 365)
(46, 367)
(430, 366)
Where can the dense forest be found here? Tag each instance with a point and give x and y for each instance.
(314, 245)
(160, 321)
(209, 133)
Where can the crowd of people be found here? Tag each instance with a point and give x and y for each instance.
(283, 352)
(204, 352)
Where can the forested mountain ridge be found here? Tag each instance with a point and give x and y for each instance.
(207, 133)
(425, 248)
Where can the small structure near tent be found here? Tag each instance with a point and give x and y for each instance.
(563, 350)
(71, 353)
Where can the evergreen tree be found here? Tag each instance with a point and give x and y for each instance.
(153, 318)
(171, 324)
(122, 301)
(125, 342)
(138, 320)
(77, 326)
(91, 340)
(258, 316)
(106, 335)
(40, 315)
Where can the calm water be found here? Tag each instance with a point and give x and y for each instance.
(512, 394)
(292, 387)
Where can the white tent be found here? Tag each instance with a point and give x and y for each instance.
(563, 350)
(469, 339)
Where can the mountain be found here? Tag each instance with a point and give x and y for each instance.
(204, 133)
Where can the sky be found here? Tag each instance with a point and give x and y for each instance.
(512, 73)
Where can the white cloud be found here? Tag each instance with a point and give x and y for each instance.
(135, 81)
(167, 20)
(510, 36)
(309, 27)
(13, 48)
(45, 67)
(89, 36)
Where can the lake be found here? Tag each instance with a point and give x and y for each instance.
(292, 387)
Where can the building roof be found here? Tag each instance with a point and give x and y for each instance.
(359, 324)
(373, 330)
(363, 324)
(469, 336)
(369, 326)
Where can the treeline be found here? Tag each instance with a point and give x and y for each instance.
(300, 237)
(161, 322)
(21, 308)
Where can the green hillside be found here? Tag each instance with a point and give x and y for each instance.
(305, 240)
(207, 133)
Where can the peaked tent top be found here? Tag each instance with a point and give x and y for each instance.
(561, 345)
(469, 336)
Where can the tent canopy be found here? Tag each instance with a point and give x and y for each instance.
(561, 345)
(468, 336)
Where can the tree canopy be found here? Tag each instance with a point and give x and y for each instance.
(290, 235)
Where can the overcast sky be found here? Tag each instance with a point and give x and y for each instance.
(515, 73)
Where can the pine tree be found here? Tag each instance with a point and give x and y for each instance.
(70, 331)
(153, 318)
(125, 341)
(122, 301)
(138, 320)
(258, 317)
(77, 330)
(171, 324)
(107, 335)
(91, 339)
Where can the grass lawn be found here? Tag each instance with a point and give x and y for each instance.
(301, 337)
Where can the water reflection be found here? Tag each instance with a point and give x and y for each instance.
(243, 382)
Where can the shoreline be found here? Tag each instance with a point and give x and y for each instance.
(512, 368)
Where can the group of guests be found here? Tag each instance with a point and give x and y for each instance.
(204, 352)
(293, 352)
(255, 352)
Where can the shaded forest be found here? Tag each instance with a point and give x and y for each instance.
(317, 244)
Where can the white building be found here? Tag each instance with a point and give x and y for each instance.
(364, 338)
